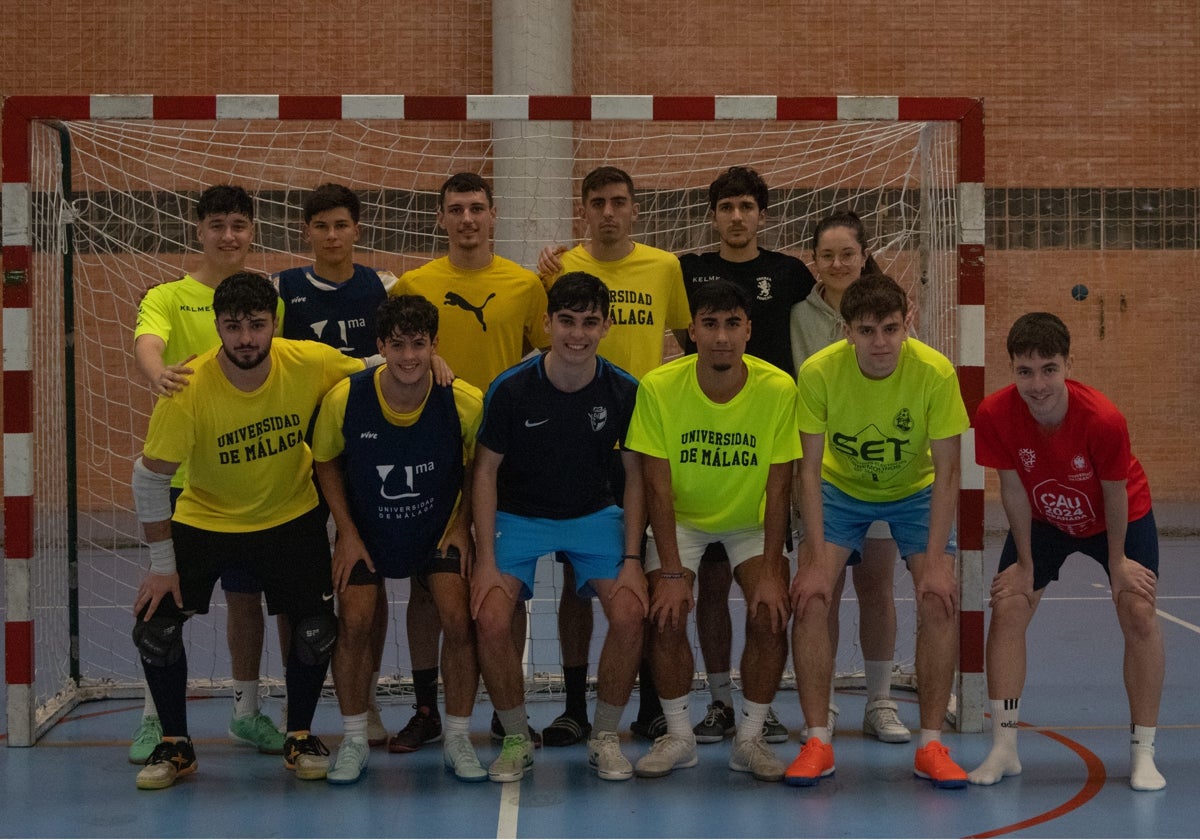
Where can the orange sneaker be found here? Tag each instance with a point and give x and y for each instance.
(814, 763)
(933, 762)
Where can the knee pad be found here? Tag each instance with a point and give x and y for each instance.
(159, 640)
(313, 638)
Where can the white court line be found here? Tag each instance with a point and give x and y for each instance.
(1185, 624)
(510, 806)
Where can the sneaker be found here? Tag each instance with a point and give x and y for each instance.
(425, 727)
(498, 733)
(668, 753)
(377, 734)
(650, 730)
(458, 755)
(834, 711)
(604, 753)
(257, 731)
(754, 756)
(307, 755)
(773, 731)
(351, 761)
(516, 756)
(718, 724)
(168, 761)
(145, 740)
(880, 719)
(814, 763)
(566, 731)
(933, 762)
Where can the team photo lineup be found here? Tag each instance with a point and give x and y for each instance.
(731, 415)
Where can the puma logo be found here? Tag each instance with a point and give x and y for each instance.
(453, 299)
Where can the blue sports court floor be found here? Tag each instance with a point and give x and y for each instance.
(77, 782)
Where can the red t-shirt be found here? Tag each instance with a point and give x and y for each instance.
(1061, 471)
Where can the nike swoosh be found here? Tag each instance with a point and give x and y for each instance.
(529, 424)
(327, 597)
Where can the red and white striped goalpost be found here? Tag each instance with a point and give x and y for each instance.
(20, 113)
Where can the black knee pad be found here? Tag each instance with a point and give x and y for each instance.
(313, 638)
(159, 640)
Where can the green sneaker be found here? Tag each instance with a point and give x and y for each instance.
(257, 731)
(147, 737)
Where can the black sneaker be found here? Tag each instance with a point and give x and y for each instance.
(718, 724)
(169, 761)
(650, 730)
(307, 756)
(425, 727)
(498, 733)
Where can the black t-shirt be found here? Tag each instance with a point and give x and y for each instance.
(776, 282)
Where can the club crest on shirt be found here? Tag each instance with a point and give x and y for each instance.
(1082, 470)
(599, 417)
(1028, 458)
(764, 288)
(903, 420)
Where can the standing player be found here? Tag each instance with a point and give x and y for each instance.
(393, 454)
(717, 433)
(880, 418)
(543, 483)
(775, 282)
(841, 256)
(1069, 483)
(249, 503)
(334, 301)
(648, 299)
(491, 312)
(175, 324)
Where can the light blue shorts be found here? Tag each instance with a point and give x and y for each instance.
(593, 545)
(847, 520)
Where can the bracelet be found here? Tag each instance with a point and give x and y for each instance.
(636, 557)
(670, 575)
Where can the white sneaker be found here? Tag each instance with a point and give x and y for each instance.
(458, 755)
(516, 756)
(604, 753)
(834, 711)
(754, 756)
(377, 735)
(351, 761)
(667, 754)
(880, 719)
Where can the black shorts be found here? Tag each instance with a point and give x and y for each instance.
(1051, 547)
(235, 579)
(290, 560)
(436, 563)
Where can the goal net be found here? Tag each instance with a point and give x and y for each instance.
(111, 211)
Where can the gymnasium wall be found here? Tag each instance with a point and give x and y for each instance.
(1092, 122)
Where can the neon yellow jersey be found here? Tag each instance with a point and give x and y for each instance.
(250, 466)
(877, 431)
(719, 454)
(648, 298)
(328, 442)
(484, 315)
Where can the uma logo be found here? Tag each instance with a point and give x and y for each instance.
(411, 471)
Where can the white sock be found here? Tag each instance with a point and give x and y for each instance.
(879, 679)
(721, 687)
(355, 726)
(456, 725)
(928, 736)
(1143, 774)
(679, 723)
(821, 733)
(245, 698)
(750, 724)
(1002, 760)
(608, 716)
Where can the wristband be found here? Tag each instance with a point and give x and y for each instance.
(670, 575)
(162, 557)
(636, 557)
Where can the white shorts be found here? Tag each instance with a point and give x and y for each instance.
(740, 546)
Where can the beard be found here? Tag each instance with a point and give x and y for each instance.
(247, 363)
